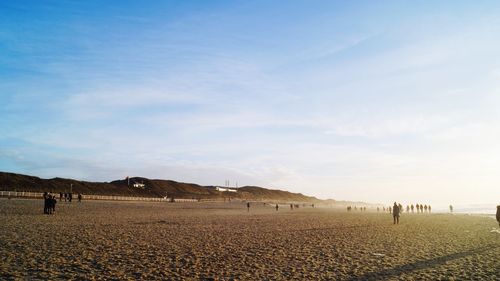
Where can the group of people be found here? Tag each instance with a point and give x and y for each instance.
(67, 196)
(292, 206)
(362, 209)
(49, 205)
(419, 208)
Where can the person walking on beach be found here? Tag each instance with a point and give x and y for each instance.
(395, 213)
(79, 197)
(498, 215)
(248, 206)
(451, 209)
(277, 207)
(45, 202)
(52, 204)
(412, 207)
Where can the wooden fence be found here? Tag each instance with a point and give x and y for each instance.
(24, 194)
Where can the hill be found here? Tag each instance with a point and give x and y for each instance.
(151, 188)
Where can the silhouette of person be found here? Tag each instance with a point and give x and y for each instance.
(451, 209)
(400, 208)
(412, 207)
(45, 202)
(498, 215)
(407, 208)
(425, 208)
(395, 213)
(429, 208)
(291, 207)
(60, 196)
(277, 207)
(79, 197)
(248, 206)
(390, 210)
(52, 204)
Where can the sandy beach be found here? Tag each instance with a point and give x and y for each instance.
(222, 241)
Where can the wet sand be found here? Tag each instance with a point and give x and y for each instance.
(222, 241)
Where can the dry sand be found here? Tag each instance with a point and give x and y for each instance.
(222, 241)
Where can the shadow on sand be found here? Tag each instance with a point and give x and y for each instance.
(406, 268)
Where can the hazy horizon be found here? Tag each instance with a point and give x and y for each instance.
(361, 101)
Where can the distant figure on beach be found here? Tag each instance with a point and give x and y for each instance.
(412, 207)
(400, 208)
(248, 206)
(390, 210)
(425, 208)
(421, 208)
(45, 202)
(60, 196)
(451, 209)
(65, 197)
(407, 208)
(277, 207)
(291, 207)
(429, 208)
(79, 197)
(395, 213)
(52, 204)
(498, 215)
(70, 197)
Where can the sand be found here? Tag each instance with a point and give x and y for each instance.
(222, 241)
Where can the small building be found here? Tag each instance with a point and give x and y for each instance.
(225, 189)
(139, 185)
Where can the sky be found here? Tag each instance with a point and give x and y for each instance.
(376, 101)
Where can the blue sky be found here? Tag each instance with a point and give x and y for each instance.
(375, 101)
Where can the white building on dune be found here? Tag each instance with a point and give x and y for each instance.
(225, 189)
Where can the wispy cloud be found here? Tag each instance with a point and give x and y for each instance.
(334, 105)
